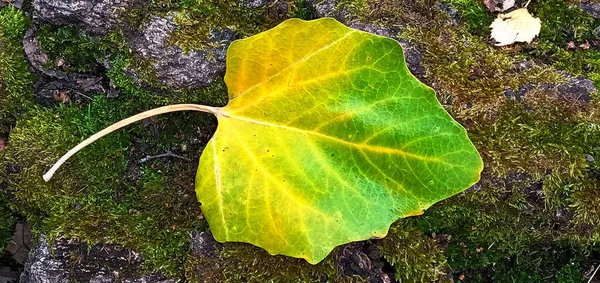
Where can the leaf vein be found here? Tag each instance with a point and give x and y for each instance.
(217, 172)
(372, 148)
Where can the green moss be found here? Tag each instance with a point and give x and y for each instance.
(414, 256)
(570, 24)
(15, 79)
(508, 237)
(257, 266)
(585, 201)
(99, 195)
(471, 76)
(15, 95)
(160, 231)
(7, 222)
(198, 17)
(78, 51)
(363, 8)
(569, 273)
(563, 22)
(303, 10)
(474, 15)
(54, 131)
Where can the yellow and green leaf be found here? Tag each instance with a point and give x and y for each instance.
(327, 139)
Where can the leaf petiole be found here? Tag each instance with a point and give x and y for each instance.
(157, 111)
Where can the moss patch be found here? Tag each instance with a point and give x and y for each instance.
(15, 79)
(257, 266)
(414, 256)
(7, 222)
(15, 97)
(198, 18)
(571, 24)
(112, 199)
(70, 49)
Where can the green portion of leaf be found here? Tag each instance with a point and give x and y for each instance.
(327, 139)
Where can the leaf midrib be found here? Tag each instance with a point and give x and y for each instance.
(360, 146)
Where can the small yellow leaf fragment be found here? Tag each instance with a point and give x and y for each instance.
(516, 26)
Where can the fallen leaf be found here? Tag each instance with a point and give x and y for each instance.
(61, 96)
(516, 26)
(60, 61)
(571, 45)
(327, 139)
(585, 46)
